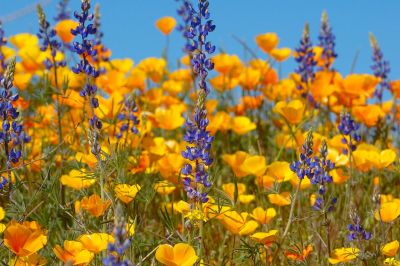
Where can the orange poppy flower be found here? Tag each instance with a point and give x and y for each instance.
(95, 205)
(24, 239)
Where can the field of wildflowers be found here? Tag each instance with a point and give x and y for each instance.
(214, 161)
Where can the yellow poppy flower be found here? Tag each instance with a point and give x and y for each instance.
(180, 254)
(77, 179)
(391, 262)
(280, 54)
(24, 39)
(169, 119)
(265, 238)
(253, 165)
(242, 125)
(369, 115)
(63, 29)
(388, 211)
(228, 65)
(281, 199)
(263, 216)
(126, 193)
(170, 166)
(164, 187)
(340, 255)
(96, 242)
(73, 252)
(267, 41)
(24, 239)
(31, 260)
(249, 78)
(292, 111)
(390, 249)
(280, 171)
(166, 25)
(237, 223)
(154, 68)
(95, 205)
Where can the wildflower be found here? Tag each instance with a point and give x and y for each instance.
(3, 42)
(169, 118)
(292, 112)
(12, 135)
(166, 25)
(102, 52)
(63, 11)
(128, 114)
(263, 216)
(280, 54)
(180, 254)
(321, 177)
(243, 164)
(380, 67)
(196, 133)
(305, 58)
(47, 36)
(94, 205)
(267, 41)
(349, 128)
(388, 211)
(356, 230)
(266, 238)
(86, 49)
(24, 239)
(238, 223)
(63, 30)
(341, 255)
(228, 65)
(164, 187)
(77, 179)
(96, 242)
(281, 199)
(116, 250)
(126, 193)
(303, 167)
(242, 125)
(327, 42)
(73, 252)
(280, 171)
(390, 249)
(299, 255)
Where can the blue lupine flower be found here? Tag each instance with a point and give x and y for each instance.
(305, 60)
(85, 48)
(12, 135)
(198, 26)
(128, 116)
(356, 230)
(3, 182)
(321, 177)
(121, 243)
(98, 38)
(348, 127)
(380, 67)
(48, 38)
(3, 41)
(303, 167)
(63, 11)
(327, 42)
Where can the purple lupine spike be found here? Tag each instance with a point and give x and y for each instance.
(48, 39)
(327, 42)
(380, 67)
(196, 28)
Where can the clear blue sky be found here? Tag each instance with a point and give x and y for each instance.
(129, 29)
